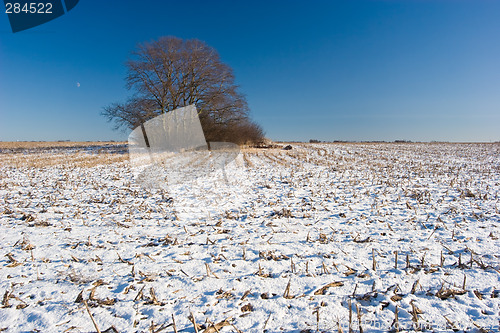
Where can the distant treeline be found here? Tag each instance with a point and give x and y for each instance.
(377, 141)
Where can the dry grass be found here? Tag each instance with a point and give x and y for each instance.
(64, 154)
(69, 161)
(54, 144)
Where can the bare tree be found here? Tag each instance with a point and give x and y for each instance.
(169, 73)
(132, 113)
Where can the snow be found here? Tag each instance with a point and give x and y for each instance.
(272, 232)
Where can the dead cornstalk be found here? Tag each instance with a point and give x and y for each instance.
(374, 261)
(350, 316)
(91, 317)
(358, 310)
(173, 323)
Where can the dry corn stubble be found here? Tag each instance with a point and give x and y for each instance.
(352, 207)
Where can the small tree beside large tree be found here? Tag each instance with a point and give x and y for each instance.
(170, 73)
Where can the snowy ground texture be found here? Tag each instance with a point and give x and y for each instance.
(375, 237)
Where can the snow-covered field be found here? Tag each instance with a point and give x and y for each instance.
(376, 237)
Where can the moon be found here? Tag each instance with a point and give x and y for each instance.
(78, 84)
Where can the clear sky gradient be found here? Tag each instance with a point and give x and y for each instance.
(326, 70)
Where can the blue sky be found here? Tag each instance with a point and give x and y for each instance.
(327, 70)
